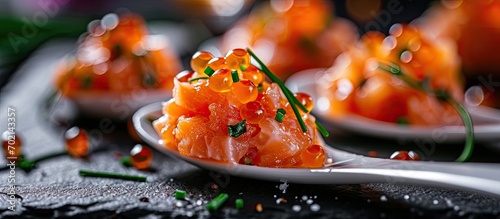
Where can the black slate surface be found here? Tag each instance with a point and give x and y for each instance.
(54, 189)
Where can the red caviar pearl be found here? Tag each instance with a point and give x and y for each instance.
(405, 155)
(11, 144)
(141, 157)
(245, 91)
(77, 142)
(313, 156)
(221, 81)
(200, 60)
(184, 76)
(252, 112)
(305, 100)
(238, 59)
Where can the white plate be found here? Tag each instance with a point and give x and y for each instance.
(118, 105)
(486, 125)
(347, 168)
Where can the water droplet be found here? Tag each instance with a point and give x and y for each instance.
(315, 207)
(456, 208)
(368, 200)
(406, 197)
(274, 196)
(336, 198)
(435, 202)
(296, 208)
(315, 197)
(304, 197)
(310, 201)
(178, 204)
(199, 202)
(383, 198)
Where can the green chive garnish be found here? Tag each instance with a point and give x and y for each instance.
(280, 115)
(402, 120)
(180, 194)
(260, 87)
(126, 161)
(238, 129)
(217, 202)
(441, 95)
(239, 203)
(234, 75)
(209, 71)
(288, 95)
(243, 68)
(195, 79)
(112, 175)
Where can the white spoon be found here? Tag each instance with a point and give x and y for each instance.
(347, 168)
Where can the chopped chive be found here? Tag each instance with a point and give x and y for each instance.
(217, 202)
(180, 194)
(195, 79)
(402, 120)
(238, 129)
(209, 71)
(243, 67)
(112, 175)
(288, 95)
(86, 81)
(126, 161)
(234, 75)
(260, 88)
(280, 115)
(239, 203)
(441, 95)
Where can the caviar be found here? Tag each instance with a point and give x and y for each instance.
(217, 63)
(11, 144)
(221, 81)
(141, 157)
(313, 156)
(305, 100)
(252, 112)
(77, 142)
(184, 76)
(200, 60)
(245, 91)
(238, 59)
(405, 155)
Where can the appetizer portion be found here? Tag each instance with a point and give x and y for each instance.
(291, 36)
(117, 56)
(474, 26)
(384, 78)
(225, 111)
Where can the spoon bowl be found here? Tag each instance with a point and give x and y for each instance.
(344, 167)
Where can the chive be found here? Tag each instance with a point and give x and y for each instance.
(234, 75)
(275, 79)
(237, 130)
(112, 175)
(260, 88)
(243, 67)
(469, 130)
(209, 71)
(280, 115)
(195, 79)
(126, 161)
(239, 203)
(441, 95)
(217, 202)
(86, 82)
(180, 194)
(402, 120)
